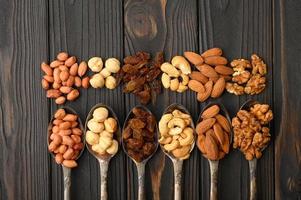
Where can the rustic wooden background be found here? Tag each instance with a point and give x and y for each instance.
(36, 30)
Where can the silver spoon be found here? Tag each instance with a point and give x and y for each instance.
(103, 160)
(177, 163)
(213, 164)
(66, 170)
(140, 165)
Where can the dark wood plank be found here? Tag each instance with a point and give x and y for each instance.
(287, 99)
(240, 28)
(86, 29)
(23, 106)
(169, 26)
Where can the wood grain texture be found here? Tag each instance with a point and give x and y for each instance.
(23, 107)
(287, 100)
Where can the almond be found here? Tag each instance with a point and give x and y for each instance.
(65, 89)
(70, 81)
(77, 81)
(202, 96)
(48, 78)
(64, 75)
(214, 79)
(226, 145)
(53, 93)
(85, 82)
(221, 69)
(194, 58)
(196, 86)
(60, 100)
(45, 84)
(210, 112)
(227, 78)
(207, 70)
(204, 125)
(70, 61)
(212, 52)
(216, 60)
(218, 88)
(198, 76)
(219, 133)
(56, 63)
(73, 95)
(82, 68)
(62, 56)
(223, 122)
(201, 143)
(73, 69)
(46, 69)
(211, 147)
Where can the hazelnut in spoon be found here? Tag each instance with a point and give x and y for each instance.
(102, 136)
(66, 142)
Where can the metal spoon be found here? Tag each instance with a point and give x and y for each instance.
(140, 165)
(252, 163)
(66, 170)
(213, 164)
(103, 160)
(177, 163)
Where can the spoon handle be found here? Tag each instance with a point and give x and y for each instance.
(252, 167)
(213, 178)
(103, 167)
(177, 165)
(67, 182)
(141, 175)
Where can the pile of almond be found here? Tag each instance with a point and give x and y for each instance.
(65, 138)
(63, 77)
(212, 74)
(213, 134)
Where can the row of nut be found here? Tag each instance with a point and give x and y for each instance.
(64, 76)
(251, 134)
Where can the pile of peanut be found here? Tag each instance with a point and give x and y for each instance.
(213, 134)
(248, 77)
(65, 139)
(212, 74)
(101, 132)
(251, 134)
(104, 76)
(175, 74)
(62, 78)
(176, 134)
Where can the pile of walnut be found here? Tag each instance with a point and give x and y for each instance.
(62, 76)
(213, 134)
(212, 74)
(251, 135)
(65, 139)
(248, 77)
(139, 73)
(101, 132)
(104, 76)
(175, 74)
(139, 134)
(176, 134)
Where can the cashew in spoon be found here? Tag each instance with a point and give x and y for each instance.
(170, 70)
(176, 122)
(92, 138)
(181, 152)
(165, 140)
(173, 145)
(163, 123)
(188, 139)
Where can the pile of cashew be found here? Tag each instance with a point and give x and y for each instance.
(101, 132)
(103, 76)
(176, 134)
(175, 74)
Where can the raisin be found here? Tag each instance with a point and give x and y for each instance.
(136, 123)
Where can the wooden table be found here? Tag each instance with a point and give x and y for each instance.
(36, 30)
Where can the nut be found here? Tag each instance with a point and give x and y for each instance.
(95, 64)
(165, 80)
(95, 126)
(97, 81)
(181, 63)
(82, 69)
(112, 65)
(110, 82)
(62, 56)
(216, 60)
(92, 138)
(194, 58)
(196, 86)
(100, 114)
(113, 148)
(212, 52)
(170, 70)
(105, 73)
(218, 88)
(110, 125)
(210, 112)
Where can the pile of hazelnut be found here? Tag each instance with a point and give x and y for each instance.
(101, 132)
(176, 134)
(62, 78)
(251, 134)
(139, 134)
(248, 77)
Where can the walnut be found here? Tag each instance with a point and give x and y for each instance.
(240, 65)
(255, 85)
(241, 77)
(234, 88)
(262, 113)
(258, 66)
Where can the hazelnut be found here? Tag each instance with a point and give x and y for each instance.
(95, 64)
(111, 82)
(105, 73)
(110, 125)
(92, 138)
(112, 65)
(95, 126)
(100, 114)
(97, 81)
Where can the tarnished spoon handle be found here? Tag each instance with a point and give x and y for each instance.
(177, 165)
(141, 175)
(67, 182)
(252, 167)
(213, 178)
(103, 167)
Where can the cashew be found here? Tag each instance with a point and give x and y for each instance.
(112, 65)
(175, 131)
(187, 121)
(105, 73)
(106, 134)
(182, 88)
(176, 122)
(173, 145)
(100, 114)
(105, 142)
(165, 140)
(165, 80)
(97, 81)
(177, 113)
(113, 148)
(92, 138)
(185, 79)
(181, 151)
(97, 148)
(95, 64)
(163, 129)
(174, 84)
(170, 70)
(181, 63)
(176, 137)
(95, 126)
(188, 139)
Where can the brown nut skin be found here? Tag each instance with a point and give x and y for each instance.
(67, 141)
(78, 146)
(65, 132)
(45, 84)
(77, 81)
(62, 56)
(74, 124)
(77, 131)
(68, 154)
(70, 163)
(55, 129)
(73, 95)
(49, 79)
(65, 125)
(82, 68)
(70, 117)
(70, 81)
(204, 125)
(76, 138)
(64, 75)
(70, 61)
(85, 82)
(62, 149)
(212, 52)
(211, 147)
(210, 112)
(52, 146)
(59, 158)
(46, 69)
(65, 89)
(56, 63)
(57, 139)
(60, 114)
(60, 100)
(73, 69)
